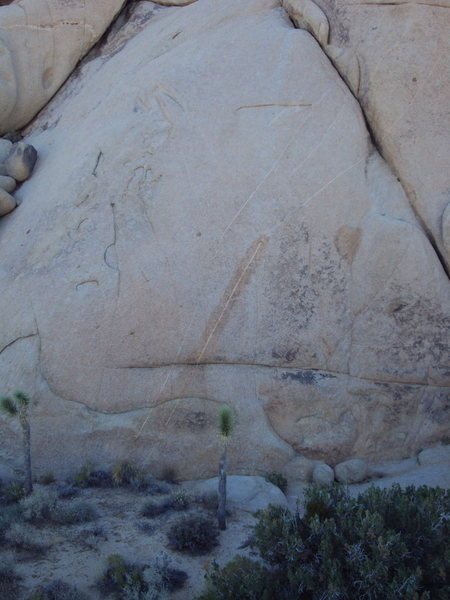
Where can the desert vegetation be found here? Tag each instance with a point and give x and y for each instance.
(382, 545)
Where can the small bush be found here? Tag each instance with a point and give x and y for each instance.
(384, 545)
(74, 512)
(100, 479)
(126, 474)
(13, 492)
(81, 479)
(47, 478)
(128, 581)
(277, 479)
(153, 509)
(92, 537)
(39, 505)
(179, 500)
(194, 534)
(23, 537)
(57, 590)
(123, 579)
(241, 579)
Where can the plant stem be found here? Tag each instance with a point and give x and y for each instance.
(222, 500)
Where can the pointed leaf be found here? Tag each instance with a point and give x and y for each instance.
(23, 399)
(8, 406)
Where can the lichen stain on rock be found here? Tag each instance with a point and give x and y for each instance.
(347, 242)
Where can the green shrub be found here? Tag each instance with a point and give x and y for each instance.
(179, 500)
(241, 579)
(384, 545)
(13, 492)
(195, 534)
(57, 590)
(126, 474)
(277, 479)
(74, 512)
(39, 505)
(100, 479)
(129, 581)
(81, 479)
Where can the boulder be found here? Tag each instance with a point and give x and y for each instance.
(432, 456)
(7, 183)
(20, 161)
(299, 468)
(245, 492)
(7, 202)
(196, 235)
(354, 470)
(323, 475)
(41, 42)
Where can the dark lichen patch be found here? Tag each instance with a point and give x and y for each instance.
(304, 377)
(307, 377)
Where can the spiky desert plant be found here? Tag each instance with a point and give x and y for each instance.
(225, 430)
(16, 405)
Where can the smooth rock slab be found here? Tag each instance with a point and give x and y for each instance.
(196, 235)
(246, 492)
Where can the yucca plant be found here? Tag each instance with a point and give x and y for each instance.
(16, 405)
(225, 430)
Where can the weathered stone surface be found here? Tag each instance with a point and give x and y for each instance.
(299, 468)
(5, 148)
(41, 42)
(394, 55)
(354, 470)
(323, 475)
(432, 456)
(20, 161)
(212, 237)
(7, 202)
(244, 492)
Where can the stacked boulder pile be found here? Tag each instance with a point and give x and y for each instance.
(16, 165)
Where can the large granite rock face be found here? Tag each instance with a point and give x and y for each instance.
(216, 226)
(395, 56)
(41, 42)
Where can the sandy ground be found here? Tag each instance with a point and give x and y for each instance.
(78, 557)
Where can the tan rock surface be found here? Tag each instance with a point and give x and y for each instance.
(41, 42)
(395, 56)
(217, 227)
